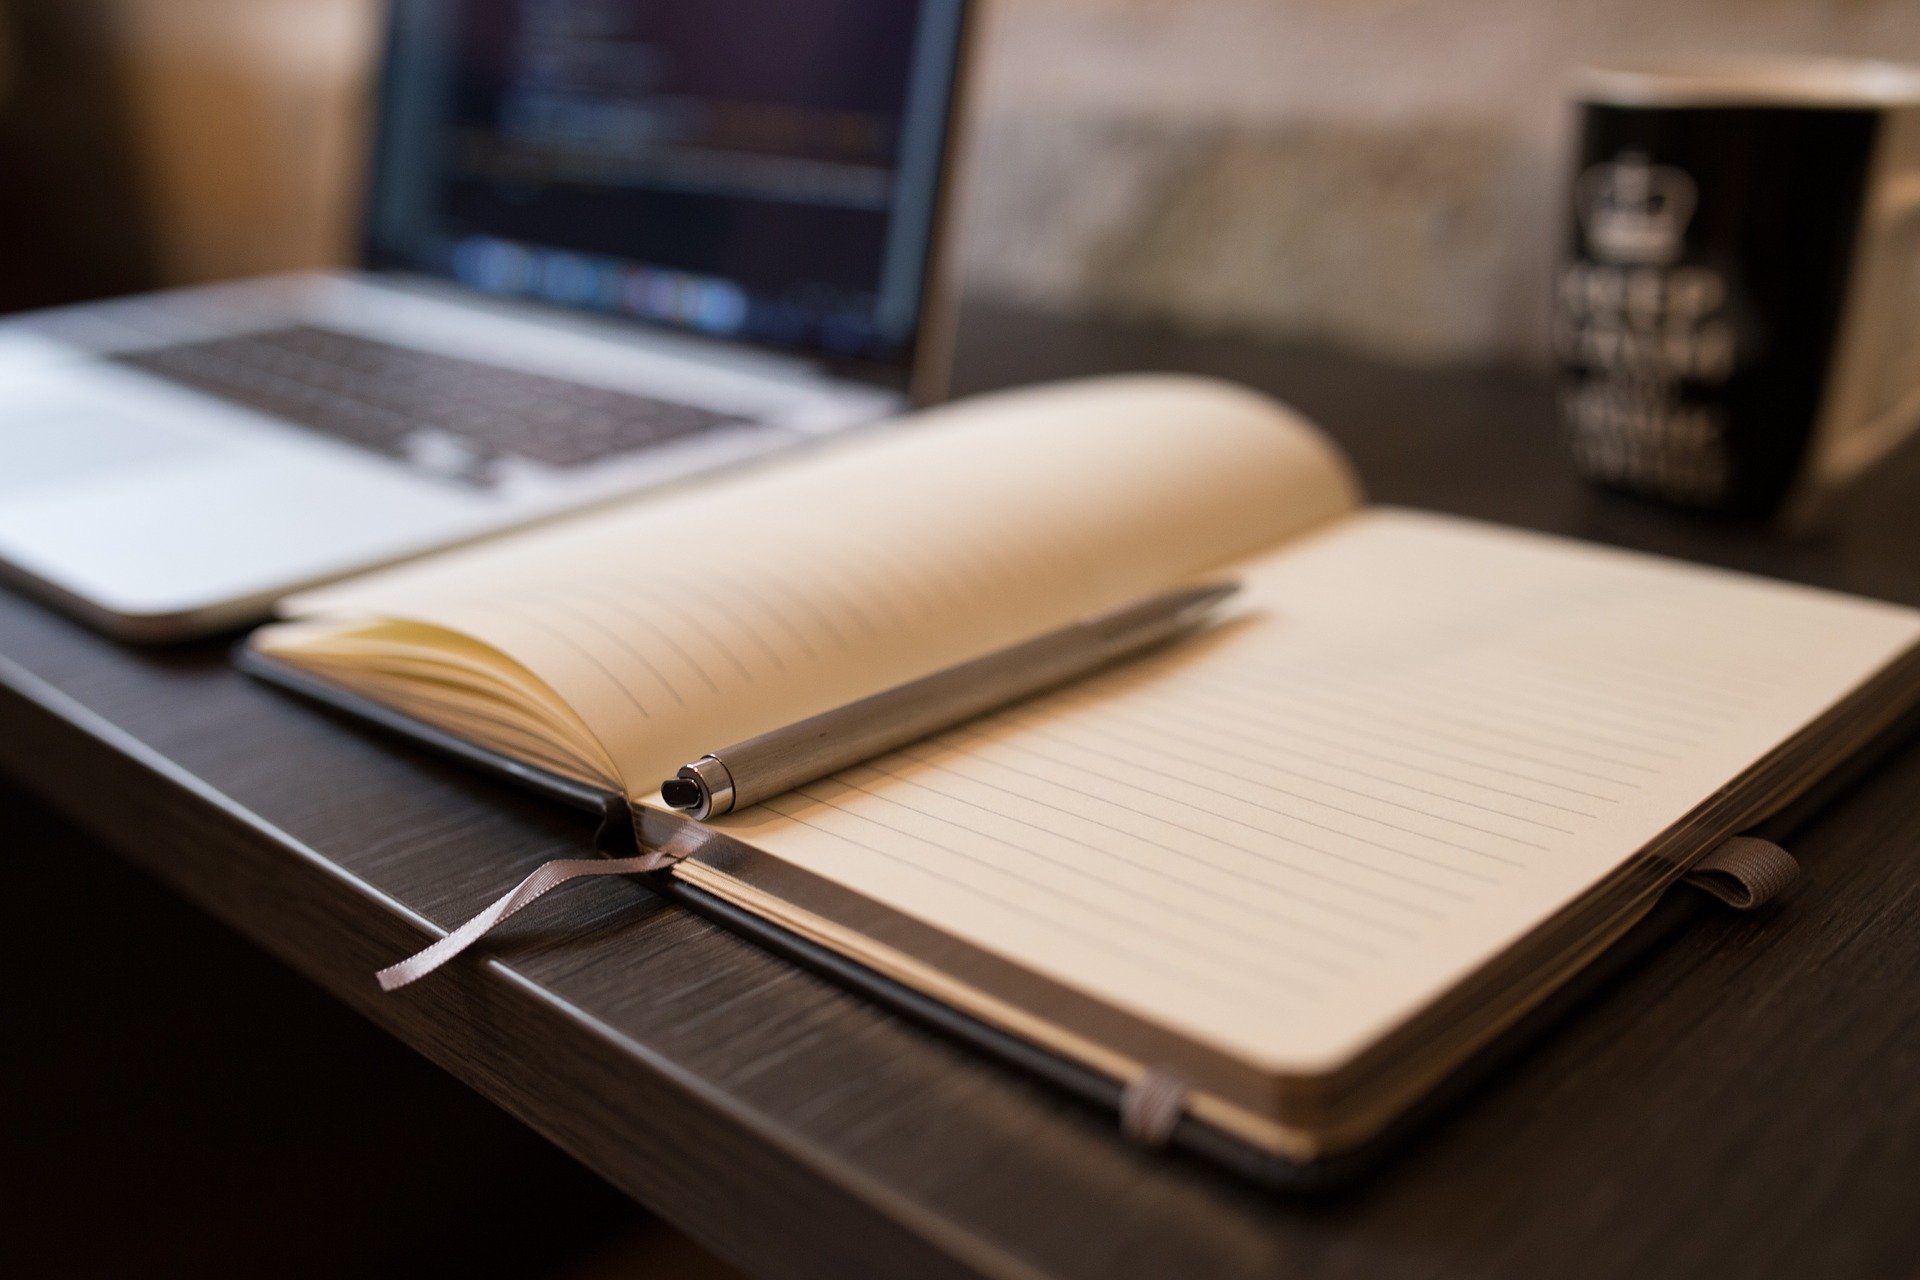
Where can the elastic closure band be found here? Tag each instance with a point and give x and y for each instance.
(1745, 872)
(1152, 1104)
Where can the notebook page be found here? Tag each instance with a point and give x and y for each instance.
(678, 625)
(1422, 738)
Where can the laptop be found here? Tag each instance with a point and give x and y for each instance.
(608, 245)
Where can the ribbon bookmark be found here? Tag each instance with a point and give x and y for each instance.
(550, 875)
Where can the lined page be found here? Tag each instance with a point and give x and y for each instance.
(1421, 738)
(679, 625)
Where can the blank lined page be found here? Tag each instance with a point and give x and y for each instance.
(676, 626)
(1420, 738)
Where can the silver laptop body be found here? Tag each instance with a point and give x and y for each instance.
(688, 279)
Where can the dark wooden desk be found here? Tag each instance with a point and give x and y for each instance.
(1747, 1102)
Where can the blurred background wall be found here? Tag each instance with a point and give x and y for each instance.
(1382, 174)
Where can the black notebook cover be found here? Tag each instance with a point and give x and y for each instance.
(614, 836)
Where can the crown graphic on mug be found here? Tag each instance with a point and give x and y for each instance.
(1635, 211)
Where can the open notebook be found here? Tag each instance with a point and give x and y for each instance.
(1421, 772)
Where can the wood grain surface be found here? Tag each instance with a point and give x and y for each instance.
(236, 1120)
(1746, 1102)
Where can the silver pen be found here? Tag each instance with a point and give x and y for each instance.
(762, 767)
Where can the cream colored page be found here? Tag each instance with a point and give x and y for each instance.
(678, 625)
(1423, 738)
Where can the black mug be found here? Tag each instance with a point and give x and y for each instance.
(1737, 318)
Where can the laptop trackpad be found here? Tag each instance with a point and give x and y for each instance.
(71, 442)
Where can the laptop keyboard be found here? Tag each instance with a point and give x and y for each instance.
(451, 416)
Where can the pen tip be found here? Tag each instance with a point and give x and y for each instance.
(680, 793)
(1218, 591)
(1202, 598)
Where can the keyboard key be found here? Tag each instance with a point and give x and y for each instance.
(383, 397)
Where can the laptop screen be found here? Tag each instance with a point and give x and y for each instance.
(763, 170)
